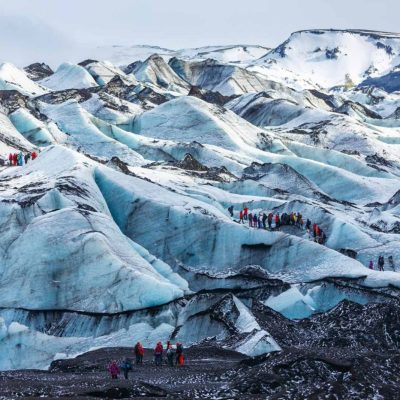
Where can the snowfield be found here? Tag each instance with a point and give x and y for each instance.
(119, 230)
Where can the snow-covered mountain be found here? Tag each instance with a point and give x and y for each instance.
(124, 55)
(120, 229)
(332, 57)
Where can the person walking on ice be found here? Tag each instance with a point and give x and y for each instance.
(245, 213)
(371, 264)
(381, 263)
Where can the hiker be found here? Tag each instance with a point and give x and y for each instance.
(264, 219)
(314, 228)
(20, 158)
(371, 264)
(113, 369)
(179, 354)
(15, 158)
(381, 263)
(299, 220)
(285, 219)
(230, 209)
(308, 224)
(270, 217)
(245, 212)
(277, 221)
(170, 354)
(10, 159)
(139, 353)
(241, 217)
(391, 263)
(26, 158)
(34, 155)
(250, 220)
(259, 221)
(255, 220)
(126, 366)
(158, 354)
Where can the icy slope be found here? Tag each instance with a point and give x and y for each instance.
(32, 128)
(225, 79)
(82, 134)
(11, 139)
(103, 72)
(206, 245)
(156, 71)
(69, 76)
(12, 78)
(188, 119)
(62, 212)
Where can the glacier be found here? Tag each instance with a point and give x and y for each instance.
(119, 230)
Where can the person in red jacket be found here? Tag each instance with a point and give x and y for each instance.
(179, 354)
(34, 155)
(245, 212)
(15, 159)
(250, 220)
(139, 353)
(158, 354)
(10, 159)
(277, 221)
(241, 217)
(314, 229)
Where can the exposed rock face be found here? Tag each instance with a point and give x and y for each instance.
(12, 100)
(38, 71)
(191, 164)
(59, 97)
(210, 97)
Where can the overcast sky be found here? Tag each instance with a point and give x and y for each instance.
(62, 30)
